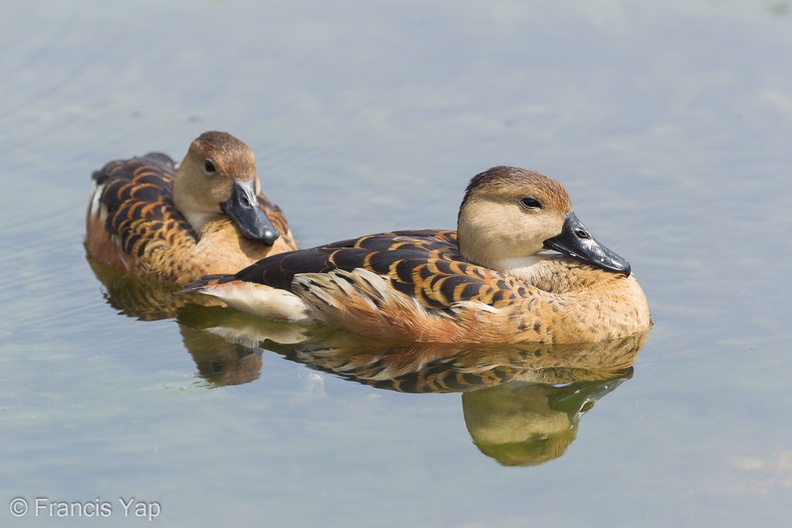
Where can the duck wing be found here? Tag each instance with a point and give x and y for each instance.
(423, 264)
(136, 196)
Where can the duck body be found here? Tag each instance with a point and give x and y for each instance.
(488, 282)
(173, 224)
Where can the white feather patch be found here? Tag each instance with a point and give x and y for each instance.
(97, 209)
(263, 301)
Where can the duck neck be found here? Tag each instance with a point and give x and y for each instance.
(498, 248)
(201, 222)
(528, 269)
(554, 273)
(197, 214)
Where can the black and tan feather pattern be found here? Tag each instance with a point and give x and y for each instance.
(138, 195)
(424, 264)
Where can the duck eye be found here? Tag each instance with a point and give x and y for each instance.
(209, 166)
(531, 203)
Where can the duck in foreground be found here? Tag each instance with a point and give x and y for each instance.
(168, 223)
(488, 282)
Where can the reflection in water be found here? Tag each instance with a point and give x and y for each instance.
(218, 360)
(139, 298)
(522, 424)
(522, 404)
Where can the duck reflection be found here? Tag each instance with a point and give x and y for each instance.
(527, 424)
(218, 361)
(140, 298)
(522, 404)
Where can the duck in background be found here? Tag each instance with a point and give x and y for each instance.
(489, 282)
(171, 223)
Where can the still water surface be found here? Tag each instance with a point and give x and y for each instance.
(670, 126)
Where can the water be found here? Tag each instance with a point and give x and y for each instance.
(669, 125)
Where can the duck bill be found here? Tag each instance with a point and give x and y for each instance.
(244, 210)
(577, 242)
(578, 398)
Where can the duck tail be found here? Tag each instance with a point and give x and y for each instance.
(205, 285)
(257, 299)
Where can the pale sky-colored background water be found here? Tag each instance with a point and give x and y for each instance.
(669, 123)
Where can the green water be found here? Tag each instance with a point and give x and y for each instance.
(669, 125)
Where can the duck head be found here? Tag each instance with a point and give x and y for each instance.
(218, 178)
(508, 215)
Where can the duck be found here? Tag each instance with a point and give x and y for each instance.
(169, 223)
(493, 280)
